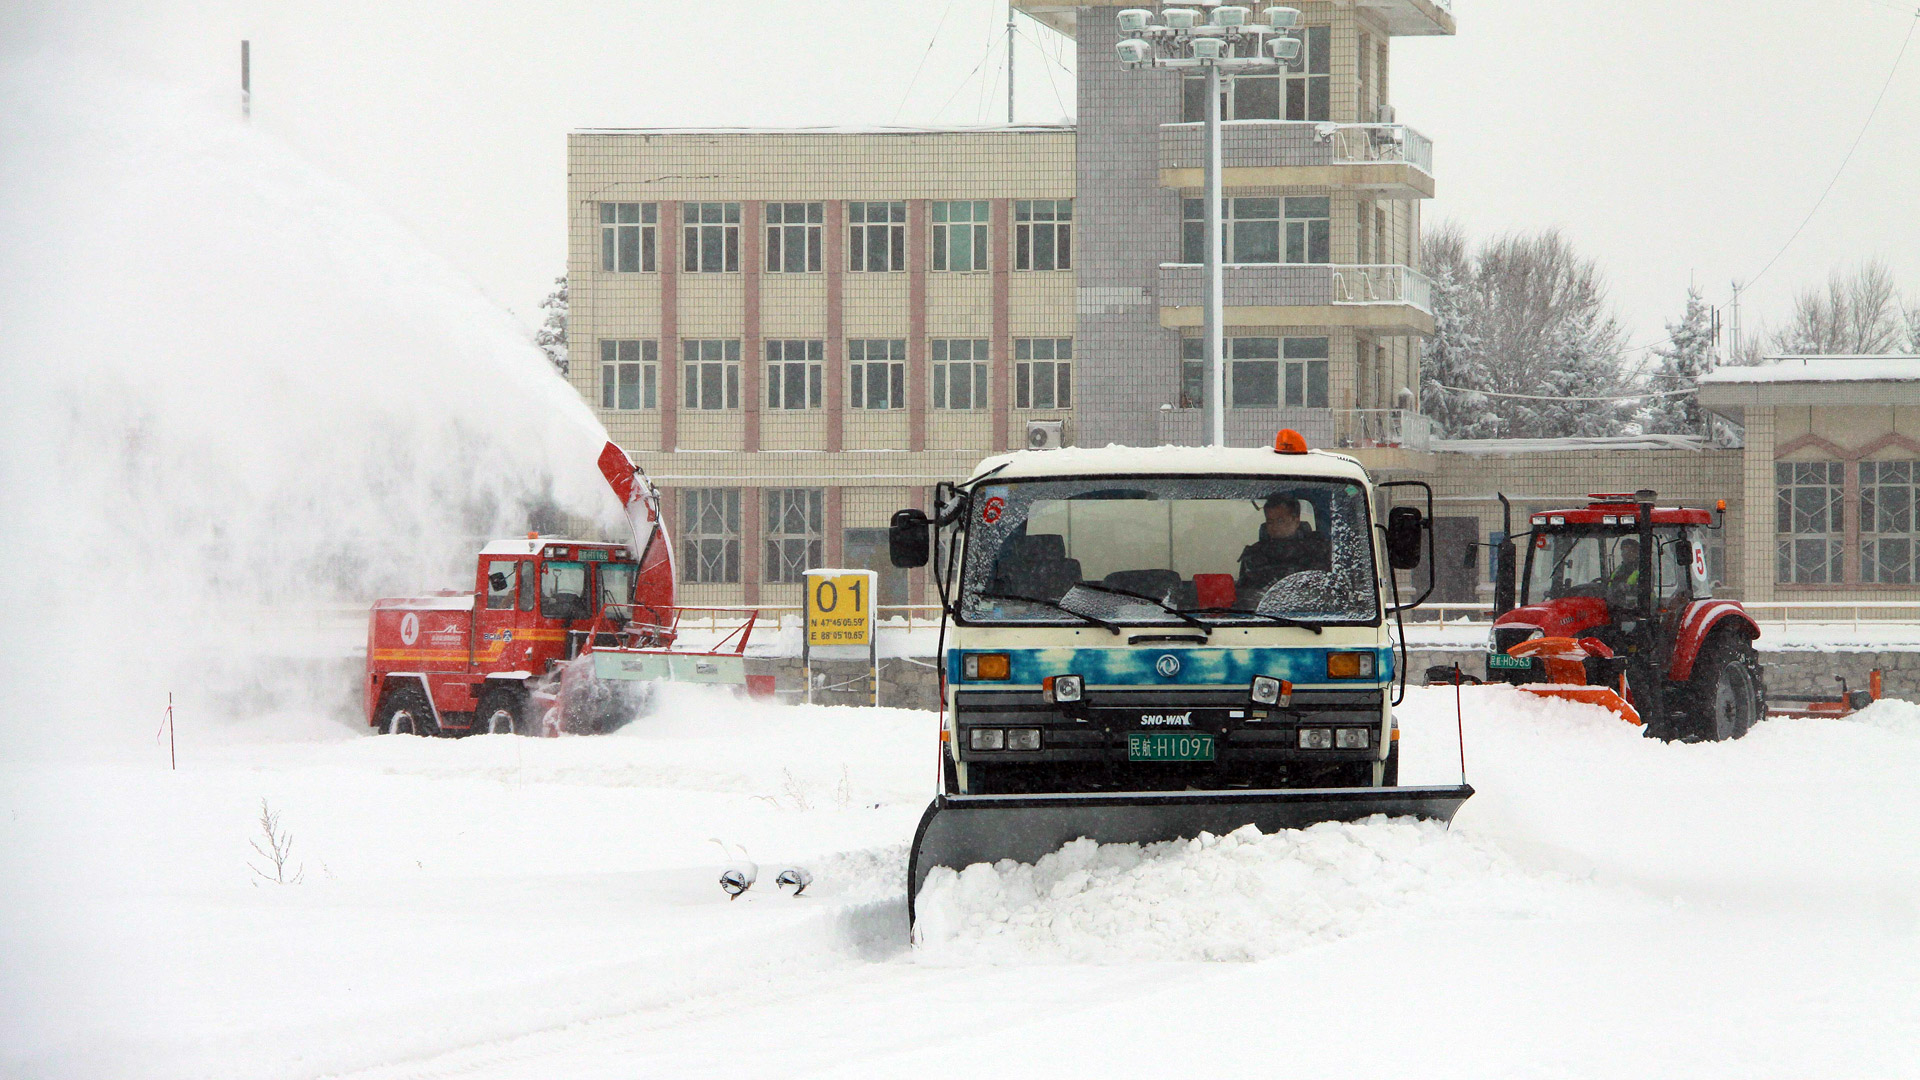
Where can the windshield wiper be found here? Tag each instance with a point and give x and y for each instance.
(1054, 604)
(1279, 620)
(1157, 602)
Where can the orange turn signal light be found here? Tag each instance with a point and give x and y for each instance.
(1289, 441)
(992, 666)
(1721, 506)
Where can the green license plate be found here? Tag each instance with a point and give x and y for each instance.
(1169, 746)
(1502, 660)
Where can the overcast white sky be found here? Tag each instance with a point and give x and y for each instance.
(1673, 142)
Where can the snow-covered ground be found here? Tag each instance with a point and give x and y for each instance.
(507, 907)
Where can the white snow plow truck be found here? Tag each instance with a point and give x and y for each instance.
(1143, 645)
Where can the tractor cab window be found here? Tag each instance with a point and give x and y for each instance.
(1565, 564)
(563, 590)
(527, 582)
(616, 589)
(503, 581)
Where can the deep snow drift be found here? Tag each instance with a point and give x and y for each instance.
(496, 906)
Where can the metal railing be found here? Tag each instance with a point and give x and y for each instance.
(1382, 283)
(1369, 144)
(1390, 428)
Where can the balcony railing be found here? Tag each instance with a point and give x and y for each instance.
(1370, 144)
(1402, 428)
(1382, 283)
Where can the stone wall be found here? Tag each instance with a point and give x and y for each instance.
(1790, 673)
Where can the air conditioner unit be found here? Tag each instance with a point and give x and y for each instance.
(1046, 434)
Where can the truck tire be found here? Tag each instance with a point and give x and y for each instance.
(502, 711)
(406, 712)
(1724, 698)
(1391, 776)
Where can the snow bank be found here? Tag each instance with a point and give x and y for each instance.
(1890, 714)
(232, 385)
(1244, 896)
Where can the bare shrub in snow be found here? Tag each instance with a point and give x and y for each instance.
(796, 792)
(275, 846)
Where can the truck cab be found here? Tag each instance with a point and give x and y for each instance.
(1162, 620)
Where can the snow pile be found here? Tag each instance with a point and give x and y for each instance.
(1890, 714)
(236, 392)
(1243, 896)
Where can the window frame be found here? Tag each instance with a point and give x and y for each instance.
(703, 547)
(971, 236)
(781, 543)
(791, 360)
(1030, 229)
(1302, 370)
(1878, 480)
(723, 365)
(1791, 478)
(1031, 370)
(620, 221)
(1260, 221)
(791, 242)
(891, 363)
(891, 232)
(943, 362)
(621, 357)
(715, 222)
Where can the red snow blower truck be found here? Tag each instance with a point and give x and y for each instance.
(556, 636)
(1612, 605)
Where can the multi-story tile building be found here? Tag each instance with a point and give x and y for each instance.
(797, 332)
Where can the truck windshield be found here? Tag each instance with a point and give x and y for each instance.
(1225, 549)
(616, 588)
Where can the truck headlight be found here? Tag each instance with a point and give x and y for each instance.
(1350, 738)
(986, 667)
(1316, 738)
(1023, 738)
(1349, 665)
(1268, 690)
(987, 738)
(1062, 688)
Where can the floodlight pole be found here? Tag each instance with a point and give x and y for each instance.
(1216, 312)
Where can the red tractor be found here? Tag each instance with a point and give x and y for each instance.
(556, 635)
(1616, 594)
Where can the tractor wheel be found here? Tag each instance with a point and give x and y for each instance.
(502, 712)
(406, 712)
(1724, 697)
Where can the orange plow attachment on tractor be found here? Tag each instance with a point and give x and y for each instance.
(1565, 660)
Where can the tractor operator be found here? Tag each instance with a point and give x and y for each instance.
(1286, 545)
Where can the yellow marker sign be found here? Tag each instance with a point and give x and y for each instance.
(840, 607)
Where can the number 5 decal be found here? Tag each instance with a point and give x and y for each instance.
(1700, 561)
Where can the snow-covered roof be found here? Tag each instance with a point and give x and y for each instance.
(521, 546)
(836, 129)
(1536, 446)
(1810, 369)
(1168, 460)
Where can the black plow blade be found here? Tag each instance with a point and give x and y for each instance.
(960, 830)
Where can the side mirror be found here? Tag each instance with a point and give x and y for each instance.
(1472, 557)
(1404, 524)
(498, 580)
(909, 539)
(1506, 578)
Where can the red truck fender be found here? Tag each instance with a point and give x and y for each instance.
(1705, 617)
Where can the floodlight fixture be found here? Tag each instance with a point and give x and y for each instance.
(1284, 48)
(1134, 51)
(1282, 18)
(1134, 20)
(1180, 18)
(1208, 48)
(1230, 15)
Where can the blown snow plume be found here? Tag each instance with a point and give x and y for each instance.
(235, 393)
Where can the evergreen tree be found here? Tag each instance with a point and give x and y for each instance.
(1686, 355)
(552, 335)
(1450, 360)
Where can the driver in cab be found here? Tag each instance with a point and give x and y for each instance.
(1286, 545)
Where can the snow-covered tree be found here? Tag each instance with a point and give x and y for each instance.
(552, 335)
(1686, 355)
(1857, 313)
(1531, 330)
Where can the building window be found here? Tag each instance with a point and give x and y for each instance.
(1310, 83)
(1889, 526)
(1043, 234)
(712, 374)
(712, 237)
(1243, 97)
(1262, 373)
(629, 374)
(627, 236)
(793, 237)
(877, 374)
(1251, 230)
(710, 535)
(793, 374)
(960, 235)
(960, 373)
(877, 236)
(1807, 521)
(796, 524)
(1043, 373)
